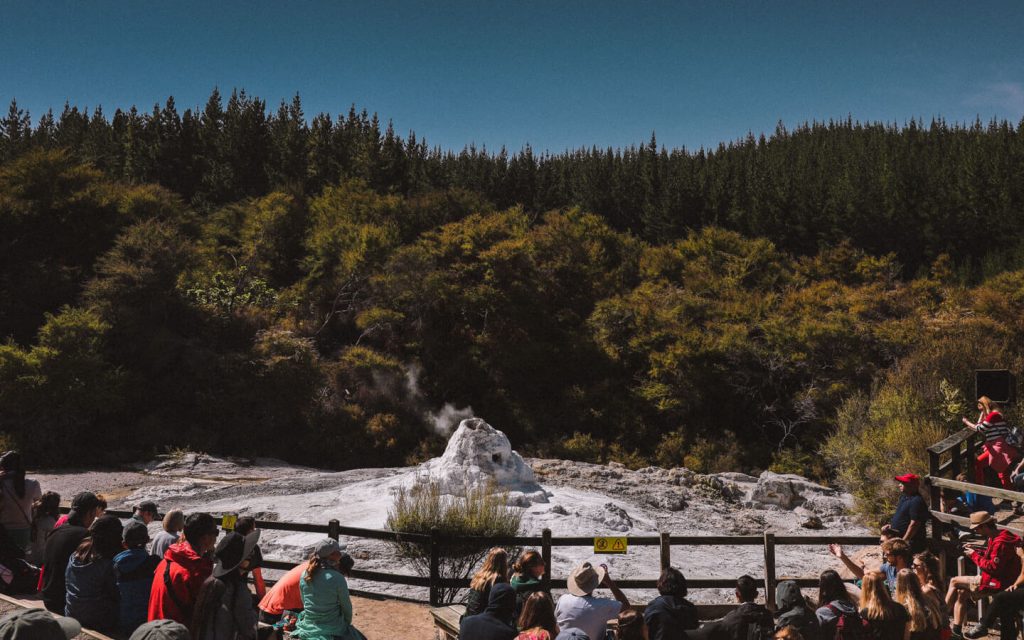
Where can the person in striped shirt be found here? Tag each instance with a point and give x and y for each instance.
(996, 453)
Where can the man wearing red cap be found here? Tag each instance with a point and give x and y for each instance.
(911, 513)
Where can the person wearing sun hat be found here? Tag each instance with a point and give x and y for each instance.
(911, 513)
(582, 609)
(38, 624)
(998, 562)
(224, 605)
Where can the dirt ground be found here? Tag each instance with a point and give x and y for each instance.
(387, 619)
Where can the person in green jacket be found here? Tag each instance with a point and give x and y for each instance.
(528, 577)
(327, 607)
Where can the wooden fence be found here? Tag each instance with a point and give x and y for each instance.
(435, 544)
(947, 459)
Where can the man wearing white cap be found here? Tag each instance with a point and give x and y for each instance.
(581, 609)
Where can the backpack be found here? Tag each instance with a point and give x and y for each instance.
(1015, 438)
(851, 626)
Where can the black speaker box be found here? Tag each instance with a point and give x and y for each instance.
(998, 384)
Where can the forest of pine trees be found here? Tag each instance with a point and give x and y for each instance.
(214, 278)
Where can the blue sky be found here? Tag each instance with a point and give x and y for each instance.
(556, 74)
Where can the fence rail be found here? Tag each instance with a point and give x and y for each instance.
(435, 544)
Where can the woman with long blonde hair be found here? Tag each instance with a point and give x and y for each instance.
(888, 619)
(926, 566)
(926, 619)
(493, 571)
(996, 451)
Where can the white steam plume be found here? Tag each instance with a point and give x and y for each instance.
(449, 417)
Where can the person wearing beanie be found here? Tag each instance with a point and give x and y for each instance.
(181, 573)
(327, 607)
(60, 544)
(92, 596)
(161, 630)
(36, 624)
(134, 568)
(224, 606)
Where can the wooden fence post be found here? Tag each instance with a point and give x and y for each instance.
(666, 550)
(769, 569)
(934, 470)
(435, 569)
(970, 457)
(333, 529)
(545, 552)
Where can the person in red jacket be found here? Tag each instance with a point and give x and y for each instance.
(181, 573)
(998, 561)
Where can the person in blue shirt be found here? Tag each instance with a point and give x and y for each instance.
(974, 501)
(911, 513)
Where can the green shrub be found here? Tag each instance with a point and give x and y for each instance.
(424, 508)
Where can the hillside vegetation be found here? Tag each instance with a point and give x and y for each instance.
(241, 281)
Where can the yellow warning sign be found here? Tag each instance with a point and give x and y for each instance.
(227, 521)
(610, 545)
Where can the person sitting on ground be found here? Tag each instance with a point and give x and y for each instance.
(92, 597)
(496, 622)
(173, 523)
(243, 527)
(631, 626)
(181, 573)
(581, 609)
(537, 619)
(162, 630)
(926, 566)
(887, 619)
(493, 571)
(285, 595)
(223, 608)
(744, 621)
(997, 453)
(1006, 607)
(895, 556)
(45, 512)
(670, 615)
(527, 578)
(792, 610)
(927, 620)
(36, 624)
(326, 604)
(60, 544)
(834, 602)
(17, 494)
(999, 565)
(134, 568)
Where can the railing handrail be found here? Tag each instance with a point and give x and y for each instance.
(950, 442)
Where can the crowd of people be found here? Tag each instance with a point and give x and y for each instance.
(191, 581)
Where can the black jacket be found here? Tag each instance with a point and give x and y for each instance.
(668, 618)
(735, 625)
(792, 611)
(495, 623)
(60, 544)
